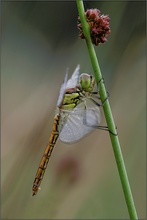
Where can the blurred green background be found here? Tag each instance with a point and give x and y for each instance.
(39, 41)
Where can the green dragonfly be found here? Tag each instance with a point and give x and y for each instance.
(78, 113)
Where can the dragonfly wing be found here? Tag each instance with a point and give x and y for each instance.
(78, 123)
(72, 82)
(62, 90)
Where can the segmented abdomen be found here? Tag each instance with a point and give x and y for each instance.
(45, 159)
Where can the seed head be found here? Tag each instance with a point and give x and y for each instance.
(99, 26)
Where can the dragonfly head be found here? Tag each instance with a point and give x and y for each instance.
(87, 82)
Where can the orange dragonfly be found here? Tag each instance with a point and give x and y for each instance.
(77, 115)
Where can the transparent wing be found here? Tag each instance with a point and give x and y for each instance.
(62, 90)
(72, 82)
(78, 123)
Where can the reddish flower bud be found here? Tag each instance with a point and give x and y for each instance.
(99, 26)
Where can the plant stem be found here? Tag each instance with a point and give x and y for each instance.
(108, 115)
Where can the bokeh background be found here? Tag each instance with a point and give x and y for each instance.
(39, 41)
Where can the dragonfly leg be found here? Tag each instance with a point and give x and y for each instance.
(102, 79)
(104, 128)
(100, 104)
(98, 83)
(96, 94)
(108, 95)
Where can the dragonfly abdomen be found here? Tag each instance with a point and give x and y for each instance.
(45, 158)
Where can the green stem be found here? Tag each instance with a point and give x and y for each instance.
(108, 115)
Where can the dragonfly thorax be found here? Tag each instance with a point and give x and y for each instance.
(70, 100)
(75, 95)
(87, 82)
